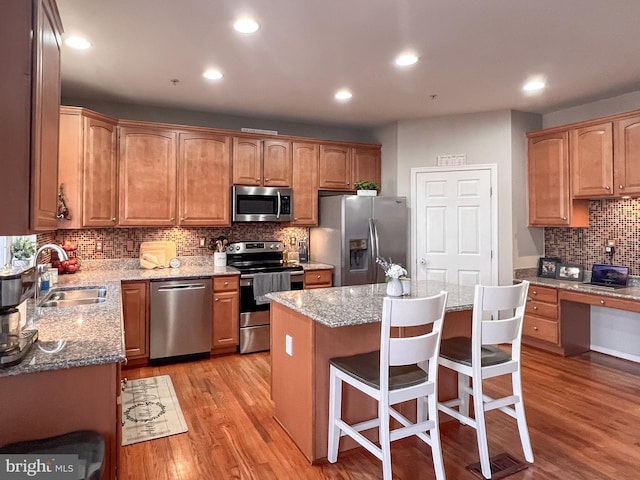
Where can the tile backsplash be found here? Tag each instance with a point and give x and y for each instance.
(115, 241)
(617, 220)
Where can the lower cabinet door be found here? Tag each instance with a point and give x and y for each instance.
(225, 319)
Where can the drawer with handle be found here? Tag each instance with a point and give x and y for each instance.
(547, 310)
(317, 279)
(546, 330)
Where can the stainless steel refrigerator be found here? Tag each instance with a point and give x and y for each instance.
(354, 230)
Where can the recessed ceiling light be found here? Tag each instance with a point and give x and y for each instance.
(213, 74)
(343, 95)
(246, 25)
(78, 43)
(535, 85)
(406, 59)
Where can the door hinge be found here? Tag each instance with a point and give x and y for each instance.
(492, 254)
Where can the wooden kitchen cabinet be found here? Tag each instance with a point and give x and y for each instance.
(318, 278)
(226, 314)
(135, 312)
(261, 162)
(591, 150)
(335, 167)
(30, 97)
(147, 175)
(541, 326)
(305, 183)
(204, 179)
(626, 141)
(87, 168)
(550, 200)
(365, 165)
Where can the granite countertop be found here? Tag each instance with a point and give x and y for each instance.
(93, 334)
(630, 293)
(354, 305)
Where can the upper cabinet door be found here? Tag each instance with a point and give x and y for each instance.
(147, 176)
(335, 167)
(549, 190)
(45, 116)
(305, 183)
(627, 156)
(204, 177)
(247, 161)
(100, 176)
(365, 165)
(276, 163)
(592, 161)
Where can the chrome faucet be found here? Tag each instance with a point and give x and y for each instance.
(62, 256)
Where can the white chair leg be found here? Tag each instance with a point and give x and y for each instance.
(522, 419)
(335, 409)
(481, 429)
(463, 385)
(434, 434)
(385, 440)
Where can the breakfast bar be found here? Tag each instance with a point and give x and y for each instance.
(309, 327)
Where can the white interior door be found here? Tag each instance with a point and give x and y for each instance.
(454, 220)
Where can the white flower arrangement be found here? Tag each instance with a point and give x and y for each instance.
(391, 270)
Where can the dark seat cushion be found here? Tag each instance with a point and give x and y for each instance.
(366, 368)
(88, 445)
(458, 349)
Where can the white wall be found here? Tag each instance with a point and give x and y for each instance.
(485, 138)
(601, 108)
(528, 242)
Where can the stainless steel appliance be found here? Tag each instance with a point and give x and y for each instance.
(262, 204)
(251, 258)
(354, 230)
(180, 319)
(15, 341)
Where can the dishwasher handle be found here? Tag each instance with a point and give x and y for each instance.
(185, 286)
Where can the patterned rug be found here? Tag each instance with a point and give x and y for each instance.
(150, 410)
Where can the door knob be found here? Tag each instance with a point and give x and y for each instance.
(423, 261)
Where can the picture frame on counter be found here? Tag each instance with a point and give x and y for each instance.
(569, 272)
(547, 266)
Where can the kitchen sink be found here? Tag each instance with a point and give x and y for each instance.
(71, 297)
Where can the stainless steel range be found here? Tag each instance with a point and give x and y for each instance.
(260, 262)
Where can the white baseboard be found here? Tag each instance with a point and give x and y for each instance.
(615, 353)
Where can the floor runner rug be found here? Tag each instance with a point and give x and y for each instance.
(150, 410)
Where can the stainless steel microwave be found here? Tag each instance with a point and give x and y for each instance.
(262, 204)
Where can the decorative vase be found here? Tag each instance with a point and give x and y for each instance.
(21, 264)
(367, 193)
(394, 287)
(219, 259)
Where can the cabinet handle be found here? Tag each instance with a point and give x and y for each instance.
(258, 179)
(217, 299)
(621, 187)
(535, 308)
(535, 328)
(122, 423)
(564, 218)
(113, 219)
(173, 218)
(267, 179)
(607, 187)
(535, 292)
(318, 277)
(182, 219)
(226, 283)
(601, 302)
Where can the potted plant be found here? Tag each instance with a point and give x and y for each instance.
(367, 188)
(22, 252)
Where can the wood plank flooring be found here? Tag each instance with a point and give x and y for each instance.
(583, 414)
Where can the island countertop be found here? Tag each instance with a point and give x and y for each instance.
(360, 304)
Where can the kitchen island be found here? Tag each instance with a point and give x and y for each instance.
(309, 327)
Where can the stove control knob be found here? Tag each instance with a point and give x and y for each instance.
(237, 247)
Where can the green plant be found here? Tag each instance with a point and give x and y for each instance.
(365, 185)
(22, 248)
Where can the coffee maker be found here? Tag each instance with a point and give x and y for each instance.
(15, 341)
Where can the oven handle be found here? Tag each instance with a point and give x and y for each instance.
(248, 280)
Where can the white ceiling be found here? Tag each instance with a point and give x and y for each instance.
(475, 55)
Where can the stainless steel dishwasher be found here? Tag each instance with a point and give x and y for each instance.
(180, 318)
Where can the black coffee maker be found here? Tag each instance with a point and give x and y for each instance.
(15, 341)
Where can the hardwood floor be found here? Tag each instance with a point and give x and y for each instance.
(583, 414)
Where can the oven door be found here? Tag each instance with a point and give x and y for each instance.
(255, 330)
(262, 204)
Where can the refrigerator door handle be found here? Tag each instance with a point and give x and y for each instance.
(373, 242)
